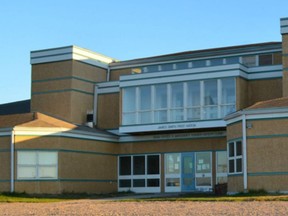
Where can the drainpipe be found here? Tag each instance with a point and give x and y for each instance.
(108, 74)
(12, 161)
(244, 142)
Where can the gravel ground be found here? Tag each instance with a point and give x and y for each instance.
(101, 207)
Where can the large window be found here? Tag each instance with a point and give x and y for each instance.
(193, 101)
(221, 167)
(139, 173)
(235, 157)
(37, 165)
(178, 102)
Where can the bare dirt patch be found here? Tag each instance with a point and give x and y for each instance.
(100, 207)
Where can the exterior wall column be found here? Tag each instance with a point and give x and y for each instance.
(284, 32)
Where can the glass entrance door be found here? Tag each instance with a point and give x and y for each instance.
(188, 173)
(203, 171)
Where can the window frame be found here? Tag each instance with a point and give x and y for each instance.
(155, 111)
(138, 177)
(218, 173)
(37, 166)
(235, 157)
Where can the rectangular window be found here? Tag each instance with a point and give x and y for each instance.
(221, 167)
(178, 102)
(152, 162)
(228, 96)
(129, 105)
(210, 109)
(37, 165)
(182, 65)
(125, 165)
(161, 103)
(216, 62)
(266, 59)
(145, 103)
(199, 63)
(249, 61)
(193, 100)
(167, 67)
(145, 173)
(235, 157)
(139, 165)
(152, 68)
(232, 60)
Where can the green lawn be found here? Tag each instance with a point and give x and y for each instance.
(16, 197)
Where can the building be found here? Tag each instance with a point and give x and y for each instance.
(172, 123)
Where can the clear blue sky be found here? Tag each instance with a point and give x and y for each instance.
(126, 29)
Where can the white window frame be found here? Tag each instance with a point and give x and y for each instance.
(184, 108)
(235, 157)
(37, 166)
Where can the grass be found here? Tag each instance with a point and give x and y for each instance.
(259, 195)
(28, 198)
(241, 197)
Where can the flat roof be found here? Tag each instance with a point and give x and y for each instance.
(230, 50)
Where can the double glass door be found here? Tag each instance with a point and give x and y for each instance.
(189, 171)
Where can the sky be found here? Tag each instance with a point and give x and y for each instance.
(126, 29)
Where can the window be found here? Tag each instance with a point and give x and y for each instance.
(199, 63)
(167, 67)
(178, 102)
(182, 65)
(37, 165)
(266, 59)
(228, 100)
(210, 99)
(152, 68)
(235, 157)
(249, 61)
(161, 103)
(216, 62)
(129, 105)
(125, 165)
(145, 173)
(221, 167)
(193, 100)
(145, 104)
(232, 60)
